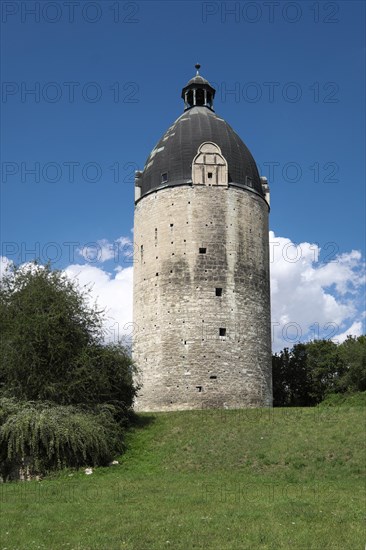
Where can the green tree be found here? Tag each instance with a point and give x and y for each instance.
(325, 368)
(352, 352)
(280, 382)
(308, 373)
(52, 343)
(291, 380)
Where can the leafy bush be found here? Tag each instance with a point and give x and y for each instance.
(47, 436)
(102, 374)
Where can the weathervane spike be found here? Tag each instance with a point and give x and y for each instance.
(198, 66)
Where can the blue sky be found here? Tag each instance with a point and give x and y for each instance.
(107, 78)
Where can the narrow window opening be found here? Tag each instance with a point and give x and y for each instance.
(222, 331)
(202, 250)
(142, 252)
(190, 98)
(172, 224)
(200, 97)
(157, 274)
(218, 291)
(164, 177)
(213, 377)
(199, 389)
(209, 175)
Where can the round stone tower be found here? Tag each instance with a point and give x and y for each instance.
(201, 270)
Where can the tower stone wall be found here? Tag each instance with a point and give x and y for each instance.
(202, 298)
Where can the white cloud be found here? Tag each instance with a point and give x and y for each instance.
(5, 263)
(113, 293)
(312, 299)
(354, 330)
(103, 250)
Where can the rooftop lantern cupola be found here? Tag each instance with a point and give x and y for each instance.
(198, 92)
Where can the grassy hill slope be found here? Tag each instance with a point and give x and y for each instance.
(220, 480)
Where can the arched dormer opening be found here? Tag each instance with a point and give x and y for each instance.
(209, 166)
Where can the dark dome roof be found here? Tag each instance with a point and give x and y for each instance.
(198, 79)
(174, 153)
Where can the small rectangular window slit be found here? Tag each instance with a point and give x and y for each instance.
(222, 331)
(202, 250)
(218, 291)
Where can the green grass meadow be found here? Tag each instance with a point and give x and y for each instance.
(219, 480)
